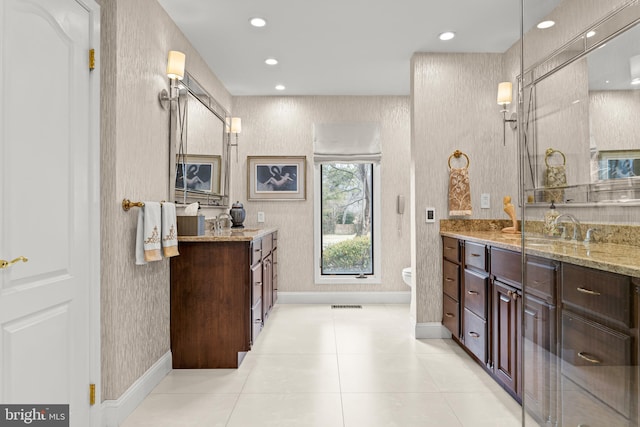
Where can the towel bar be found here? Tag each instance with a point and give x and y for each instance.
(128, 204)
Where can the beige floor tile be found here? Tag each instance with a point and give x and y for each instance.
(287, 410)
(397, 410)
(210, 381)
(485, 409)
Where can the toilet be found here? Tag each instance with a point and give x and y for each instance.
(406, 276)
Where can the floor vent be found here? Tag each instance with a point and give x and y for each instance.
(346, 306)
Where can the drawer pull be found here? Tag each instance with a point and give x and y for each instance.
(474, 334)
(448, 279)
(531, 313)
(473, 293)
(505, 299)
(476, 255)
(258, 284)
(448, 315)
(588, 291)
(450, 247)
(588, 358)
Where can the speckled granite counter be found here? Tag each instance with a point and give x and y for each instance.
(616, 258)
(230, 235)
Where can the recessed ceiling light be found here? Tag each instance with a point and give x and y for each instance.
(280, 87)
(258, 22)
(607, 81)
(271, 61)
(546, 24)
(447, 35)
(591, 34)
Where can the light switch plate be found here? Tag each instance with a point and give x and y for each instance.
(485, 201)
(260, 216)
(430, 215)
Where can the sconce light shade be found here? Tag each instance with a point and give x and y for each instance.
(236, 125)
(175, 65)
(504, 93)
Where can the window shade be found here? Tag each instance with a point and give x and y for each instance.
(335, 142)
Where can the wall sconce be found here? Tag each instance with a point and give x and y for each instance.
(234, 126)
(504, 98)
(175, 72)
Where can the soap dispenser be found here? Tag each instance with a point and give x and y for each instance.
(550, 227)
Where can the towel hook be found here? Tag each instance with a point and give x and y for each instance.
(128, 204)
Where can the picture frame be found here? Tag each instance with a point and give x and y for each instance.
(202, 176)
(618, 164)
(277, 178)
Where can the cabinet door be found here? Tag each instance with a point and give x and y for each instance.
(274, 268)
(506, 335)
(267, 287)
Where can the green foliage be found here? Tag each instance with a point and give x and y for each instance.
(351, 255)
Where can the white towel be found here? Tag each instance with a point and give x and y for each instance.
(169, 230)
(148, 234)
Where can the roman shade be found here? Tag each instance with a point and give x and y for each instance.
(348, 142)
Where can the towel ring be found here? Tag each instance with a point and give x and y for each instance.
(550, 152)
(457, 155)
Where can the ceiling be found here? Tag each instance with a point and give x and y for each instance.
(340, 47)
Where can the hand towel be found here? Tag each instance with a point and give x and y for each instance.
(459, 192)
(556, 176)
(148, 233)
(169, 230)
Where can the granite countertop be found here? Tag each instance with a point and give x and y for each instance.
(229, 235)
(616, 258)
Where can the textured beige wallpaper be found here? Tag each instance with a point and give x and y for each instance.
(284, 126)
(135, 39)
(614, 119)
(454, 107)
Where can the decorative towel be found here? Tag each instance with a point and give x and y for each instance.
(556, 176)
(169, 230)
(148, 234)
(459, 192)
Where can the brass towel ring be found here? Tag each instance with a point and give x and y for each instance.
(550, 152)
(457, 155)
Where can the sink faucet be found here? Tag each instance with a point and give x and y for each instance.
(577, 232)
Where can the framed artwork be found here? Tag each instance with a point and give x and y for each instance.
(276, 178)
(618, 164)
(198, 174)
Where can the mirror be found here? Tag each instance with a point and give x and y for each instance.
(198, 146)
(580, 127)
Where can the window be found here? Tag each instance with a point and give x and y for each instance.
(346, 223)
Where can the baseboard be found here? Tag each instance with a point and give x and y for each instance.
(431, 330)
(344, 297)
(114, 412)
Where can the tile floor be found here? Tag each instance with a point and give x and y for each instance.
(317, 366)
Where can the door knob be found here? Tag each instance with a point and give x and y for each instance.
(6, 264)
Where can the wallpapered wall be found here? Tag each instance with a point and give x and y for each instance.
(135, 39)
(454, 107)
(278, 126)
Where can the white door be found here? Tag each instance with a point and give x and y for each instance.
(49, 203)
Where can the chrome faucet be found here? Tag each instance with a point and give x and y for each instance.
(577, 231)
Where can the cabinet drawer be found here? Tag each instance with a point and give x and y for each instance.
(256, 251)
(475, 293)
(506, 265)
(598, 292)
(541, 279)
(475, 255)
(256, 321)
(598, 359)
(450, 279)
(256, 283)
(451, 249)
(267, 244)
(451, 315)
(475, 335)
(579, 408)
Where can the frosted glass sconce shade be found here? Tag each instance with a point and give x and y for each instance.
(236, 125)
(504, 93)
(175, 65)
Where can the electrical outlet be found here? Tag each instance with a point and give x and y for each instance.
(430, 215)
(485, 201)
(260, 216)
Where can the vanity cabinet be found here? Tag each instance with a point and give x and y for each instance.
(218, 299)
(451, 285)
(474, 300)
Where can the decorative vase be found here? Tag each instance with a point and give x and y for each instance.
(238, 214)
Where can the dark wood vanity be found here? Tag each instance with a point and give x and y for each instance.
(580, 341)
(223, 288)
